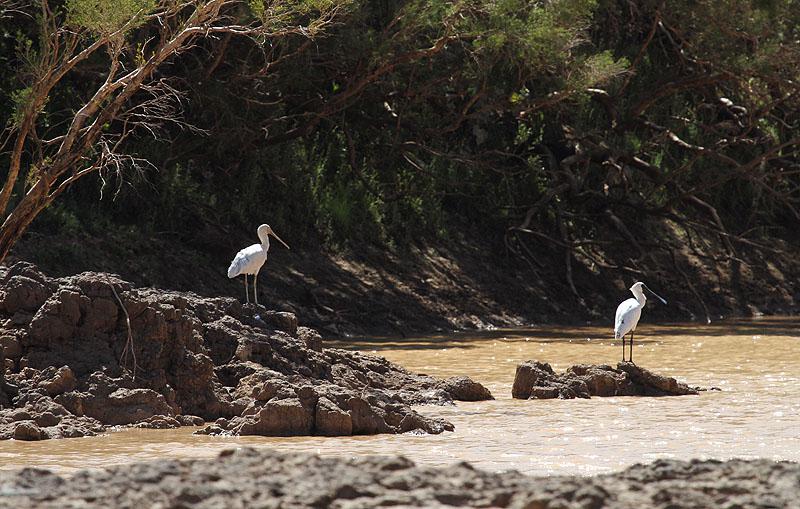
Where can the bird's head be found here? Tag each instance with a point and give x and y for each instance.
(264, 230)
(637, 288)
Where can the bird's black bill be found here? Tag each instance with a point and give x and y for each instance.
(654, 293)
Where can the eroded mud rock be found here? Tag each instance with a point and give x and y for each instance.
(464, 388)
(159, 422)
(262, 478)
(90, 350)
(537, 380)
(323, 409)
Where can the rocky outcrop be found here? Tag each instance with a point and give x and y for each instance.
(262, 478)
(537, 380)
(89, 351)
(464, 388)
(324, 409)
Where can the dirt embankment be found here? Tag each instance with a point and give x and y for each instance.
(263, 478)
(88, 351)
(468, 282)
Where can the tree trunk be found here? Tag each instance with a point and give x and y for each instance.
(23, 214)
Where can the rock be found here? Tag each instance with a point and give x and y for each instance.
(47, 419)
(28, 431)
(21, 415)
(653, 384)
(311, 338)
(528, 376)
(600, 380)
(246, 477)
(91, 350)
(11, 347)
(537, 380)
(70, 426)
(281, 320)
(538, 392)
(61, 381)
(332, 420)
(263, 385)
(416, 422)
(7, 390)
(212, 429)
(23, 288)
(127, 406)
(463, 388)
(159, 422)
(72, 402)
(276, 418)
(367, 419)
(190, 420)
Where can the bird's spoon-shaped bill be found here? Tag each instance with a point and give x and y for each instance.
(654, 293)
(282, 242)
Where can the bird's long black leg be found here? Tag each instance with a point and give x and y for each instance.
(246, 290)
(623, 348)
(255, 287)
(630, 359)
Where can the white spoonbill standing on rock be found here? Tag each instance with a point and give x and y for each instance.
(628, 314)
(250, 259)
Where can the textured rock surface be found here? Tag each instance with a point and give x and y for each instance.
(537, 380)
(89, 350)
(263, 478)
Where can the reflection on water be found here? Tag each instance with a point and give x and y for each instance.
(757, 414)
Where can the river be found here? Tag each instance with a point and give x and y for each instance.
(756, 364)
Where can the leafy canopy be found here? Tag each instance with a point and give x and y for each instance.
(105, 17)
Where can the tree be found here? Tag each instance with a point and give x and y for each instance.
(92, 74)
(390, 104)
(697, 145)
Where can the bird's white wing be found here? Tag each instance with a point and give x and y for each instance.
(246, 260)
(627, 316)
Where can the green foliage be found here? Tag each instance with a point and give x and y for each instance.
(278, 14)
(21, 100)
(410, 116)
(537, 34)
(104, 17)
(598, 69)
(265, 8)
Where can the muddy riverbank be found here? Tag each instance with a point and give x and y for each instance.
(469, 283)
(264, 478)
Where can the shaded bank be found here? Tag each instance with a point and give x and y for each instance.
(262, 478)
(469, 282)
(90, 350)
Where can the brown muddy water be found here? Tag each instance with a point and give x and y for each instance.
(757, 413)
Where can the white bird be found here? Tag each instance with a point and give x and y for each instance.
(250, 259)
(628, 314)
